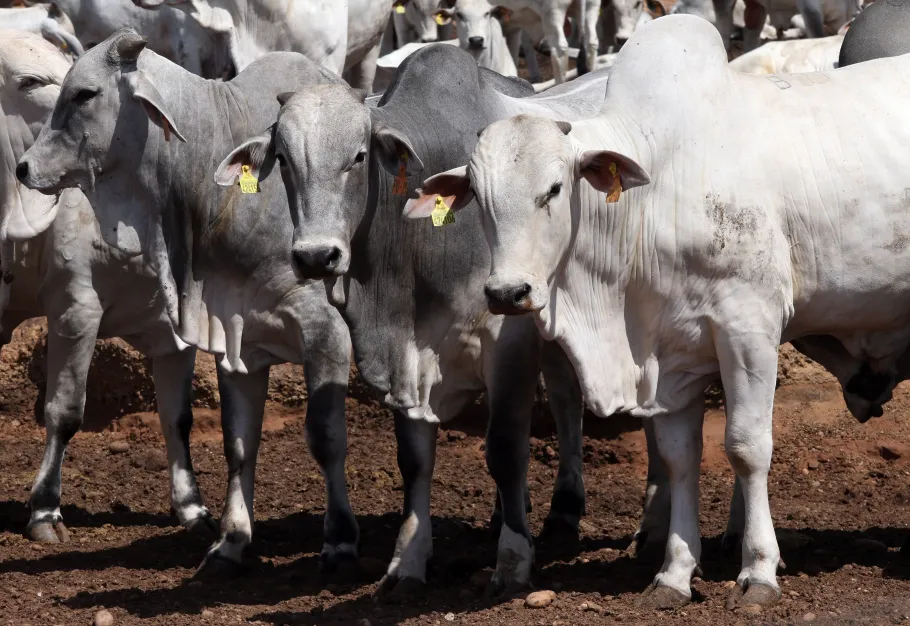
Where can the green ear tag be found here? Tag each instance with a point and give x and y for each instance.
(442, 214)
(248, 182)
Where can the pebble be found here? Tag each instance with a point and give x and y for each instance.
(119, 447)
(15, 423)
(450, 617)
(806, 471)
(591, 606)
(206, 614)
(729, 584)
(103, 618)
(812, 464)
(750, 609)
(540, 599)
(154, 460)
(809, 617)
(815, 484)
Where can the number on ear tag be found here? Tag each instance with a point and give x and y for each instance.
(248, 182)
(442, 215)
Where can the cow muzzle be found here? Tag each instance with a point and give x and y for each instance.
(509, 298)
(26, 174)
(475, 43)
(320, 260)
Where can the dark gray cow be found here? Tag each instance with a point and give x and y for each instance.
(412, 294)
(141, 137)
(881, 30)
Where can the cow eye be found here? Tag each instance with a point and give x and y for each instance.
(29, 82)
(360, 157)
(84, 95)
(554, 190)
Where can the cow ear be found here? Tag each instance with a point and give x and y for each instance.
(145, 92)
(655, 8)
(602, 167)
(394, 150)
(257, 153)
(454, 187)
(501, 13)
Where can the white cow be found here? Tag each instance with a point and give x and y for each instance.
(480, 32)
(798, 55)
(417, 16)
(56, 264)
(46, 20)
(663, 242)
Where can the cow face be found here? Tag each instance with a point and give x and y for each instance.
(525, 173)
(421, 15)
(324, 143)
(475, 22)
(31, 70)
(100, 125)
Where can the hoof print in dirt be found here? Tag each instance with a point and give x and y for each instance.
(45, 532)
(661, 598)
(216, 567)
(756, 598)
(395, 590)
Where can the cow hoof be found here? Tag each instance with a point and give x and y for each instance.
(661, 598)
(757, 595)
(394, 590)
(203, 526)
(341, 567)
(217, 567)
(557, 529)
(731, 543)
(46, 532)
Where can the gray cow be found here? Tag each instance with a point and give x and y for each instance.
(141, 137)
(85, 288)
(412, 294)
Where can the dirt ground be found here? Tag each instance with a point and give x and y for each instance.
(839, 498)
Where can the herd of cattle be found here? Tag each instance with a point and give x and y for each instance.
(631, 235)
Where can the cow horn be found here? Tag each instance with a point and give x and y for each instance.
(129, 46)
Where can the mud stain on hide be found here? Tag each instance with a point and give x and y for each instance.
(900, 238)
(731, 223)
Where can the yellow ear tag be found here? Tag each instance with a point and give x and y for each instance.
(400, 187)
(615, 187)
(399, 8)
(439, 20)
(248, 182)
(442, 214)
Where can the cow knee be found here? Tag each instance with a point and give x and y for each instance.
(64, 419)
(748, 453)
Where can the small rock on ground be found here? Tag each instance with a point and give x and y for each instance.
(540, 599)
(103, 618)
(118, 447)
(809, 617)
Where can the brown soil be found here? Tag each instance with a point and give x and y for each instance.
(839, 497)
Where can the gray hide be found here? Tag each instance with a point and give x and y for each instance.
(86, 289)
(412, 294)
(881, 30)
(141, 136)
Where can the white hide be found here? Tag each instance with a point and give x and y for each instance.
(725, 240)
(798, 55)
(45, 20)
(480, 34)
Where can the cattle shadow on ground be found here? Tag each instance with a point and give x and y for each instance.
(14, 517)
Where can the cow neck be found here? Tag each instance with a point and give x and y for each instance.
(603, 283)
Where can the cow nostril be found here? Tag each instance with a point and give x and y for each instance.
(521, 293)
(22, 171)
(333, 257)
(475, 42)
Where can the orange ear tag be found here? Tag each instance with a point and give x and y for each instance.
(615, 187)
(167, 129)
(400, 187)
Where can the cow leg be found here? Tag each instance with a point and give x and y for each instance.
(755, 16)
(559, 46)
(327, 438)
(242, 405)
(588, 41)
(723, 15)
(68, 358)
(679, 443)
(414, 547)
(655, 521)
(530, 58)
(567, 405)
(812, 13)
(173, 376)
(748, 365)
(363, 73)
(736, 522)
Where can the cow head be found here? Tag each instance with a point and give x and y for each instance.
(475, 22)
(421, 15)
(100, 127)
(324, 142)
(31, 71)
(528, 202)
